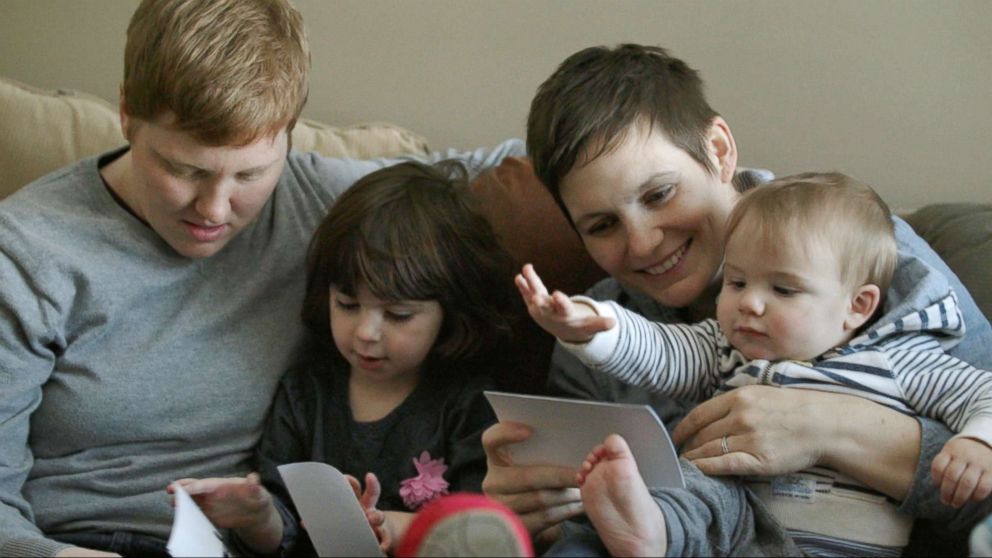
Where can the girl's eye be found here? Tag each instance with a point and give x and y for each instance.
(345, 305)
(785, 291)
(399, 316)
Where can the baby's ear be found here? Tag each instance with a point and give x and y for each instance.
(864, 301)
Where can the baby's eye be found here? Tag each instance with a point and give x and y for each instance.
(734, 283)
(785, 291)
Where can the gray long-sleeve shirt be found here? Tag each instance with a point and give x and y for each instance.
(125, 366)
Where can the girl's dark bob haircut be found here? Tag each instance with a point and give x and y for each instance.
(410, 232)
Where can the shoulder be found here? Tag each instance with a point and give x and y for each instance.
(70, 191)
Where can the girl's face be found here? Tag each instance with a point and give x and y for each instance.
(383, 340)
(651, 216)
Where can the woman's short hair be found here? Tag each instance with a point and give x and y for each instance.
(595, 97)
(410, 232)
(824, 211)
(231, 71)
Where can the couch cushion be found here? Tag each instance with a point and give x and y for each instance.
(533, 229)
(962, 234)
(46, 130)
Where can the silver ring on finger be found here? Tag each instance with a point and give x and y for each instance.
(724, 446)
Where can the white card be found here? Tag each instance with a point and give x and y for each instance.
(331, 513)
(192, 533)
(566, 430)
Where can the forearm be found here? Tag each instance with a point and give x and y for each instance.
(871, 443)
(265, 537)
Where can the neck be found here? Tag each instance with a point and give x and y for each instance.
(374, 400)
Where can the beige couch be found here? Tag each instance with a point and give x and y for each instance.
(45, 130)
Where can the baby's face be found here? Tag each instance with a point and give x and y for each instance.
(782, 300)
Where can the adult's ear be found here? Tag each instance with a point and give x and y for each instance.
(722, 148)
(863, 304)
(123, 114)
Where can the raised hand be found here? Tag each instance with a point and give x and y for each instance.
(369, 498)
(574, 322)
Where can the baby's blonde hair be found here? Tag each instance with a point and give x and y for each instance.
(231, 71)
(829, 210)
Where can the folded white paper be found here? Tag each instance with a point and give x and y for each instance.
(330, 512)
(192, 533)
(566, 430)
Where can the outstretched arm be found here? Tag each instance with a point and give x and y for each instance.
(567, 320)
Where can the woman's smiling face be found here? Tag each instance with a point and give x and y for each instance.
(652, 216)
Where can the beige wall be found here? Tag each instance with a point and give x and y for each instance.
(896, 92)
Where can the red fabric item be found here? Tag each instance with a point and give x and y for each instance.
(445, 507)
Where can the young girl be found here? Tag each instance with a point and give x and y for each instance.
(410, 292)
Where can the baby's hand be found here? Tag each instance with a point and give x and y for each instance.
(556, 313)
(230, 502)
(368, 498)
(963, 469)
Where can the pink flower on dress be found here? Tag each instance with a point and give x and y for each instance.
(427, 485)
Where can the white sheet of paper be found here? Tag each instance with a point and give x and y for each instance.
(192, 533)
(566, 430)
(332, 515)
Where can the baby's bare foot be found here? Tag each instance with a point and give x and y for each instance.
(618, 502)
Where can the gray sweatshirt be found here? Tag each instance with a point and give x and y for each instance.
(125, 366)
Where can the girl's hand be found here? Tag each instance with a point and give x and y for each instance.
(963, 470)
(369, 498)
(542, 495)
(230, 502)
(556, 313)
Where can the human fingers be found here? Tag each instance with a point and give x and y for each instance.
(370, 497)
(534, 280)
(497, 438)
(938, 466)
(984, 488)
(197, 487)
(733, 463)
(966, 485)
(688, 433)
(949, 481)
(545, 518)
(356, 486)
(527, 478)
